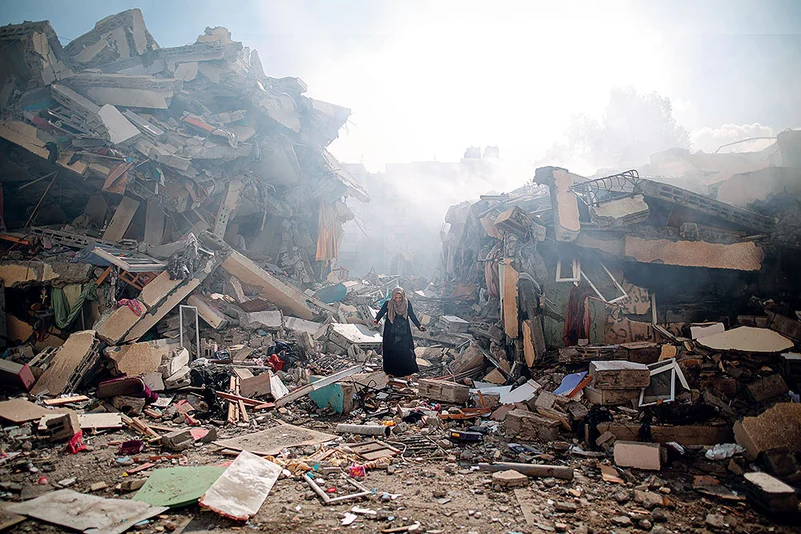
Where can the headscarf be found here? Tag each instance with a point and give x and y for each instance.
(397, 308)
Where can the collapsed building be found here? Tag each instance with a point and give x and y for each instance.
(168, 300)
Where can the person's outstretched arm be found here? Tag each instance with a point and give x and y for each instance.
(381, 313)
(414, 319)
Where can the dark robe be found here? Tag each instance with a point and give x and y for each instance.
(398, 347)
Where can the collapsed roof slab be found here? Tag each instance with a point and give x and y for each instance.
(286, 297)
(38, 45)
(20, 274)
(119, 36)
(746, 256)
(747, 339)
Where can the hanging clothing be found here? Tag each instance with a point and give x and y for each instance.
(398, 345)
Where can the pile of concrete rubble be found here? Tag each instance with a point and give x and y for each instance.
(176, 339)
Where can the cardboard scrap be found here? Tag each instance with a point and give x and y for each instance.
(20, 411)
(86, 513)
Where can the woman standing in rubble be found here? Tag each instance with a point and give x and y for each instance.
(398, 347)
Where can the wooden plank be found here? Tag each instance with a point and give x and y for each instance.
(509, 309)
(121, 220)
(528, 343)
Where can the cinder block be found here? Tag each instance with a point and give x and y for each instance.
(638, 455)
(443, 391)
(530, 426)
(618, 374)
(611, 397)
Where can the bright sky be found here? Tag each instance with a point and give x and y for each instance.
(427, 79)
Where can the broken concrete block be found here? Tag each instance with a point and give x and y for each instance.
(509, 479)
(770, 494)
(63, 426)
(529, 426)
(178, 441)
(179, 379)
(779, 426)
(606, 441)
(440, 390)
(620, 212)
(638, 455)
(289, 299)
(745, 256)
(128, 405)
(294, 324)
(611, 397)
(767, 388)
(173, 362)
(563, 202)
(545, 400)
(119, 129)
(208, 311)
(619, 375)
(270, 320)
(641, 351)
(453, 324)
(70, 363)
(139, 358)
(780, 462)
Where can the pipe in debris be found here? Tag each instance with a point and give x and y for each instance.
(531, 470)
(364, 430)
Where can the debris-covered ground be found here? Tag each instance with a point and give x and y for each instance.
(181, 354)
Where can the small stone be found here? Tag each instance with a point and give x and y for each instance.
(451, 469)
(582, 529)
(659, 516)
(439, 493)
(510, 479)
(549, 482)
(665, 490)
(568, 507)
(478, 515)
(622, 497)
(560, 527)
(645, 524)
(660, 530)
(621, 520)
(716, 521)
(735, 468)
(97, 486)
(309, 495)
(465, 456)
(471, 513)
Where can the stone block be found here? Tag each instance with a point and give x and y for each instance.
(619, 374)
(638, 455)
